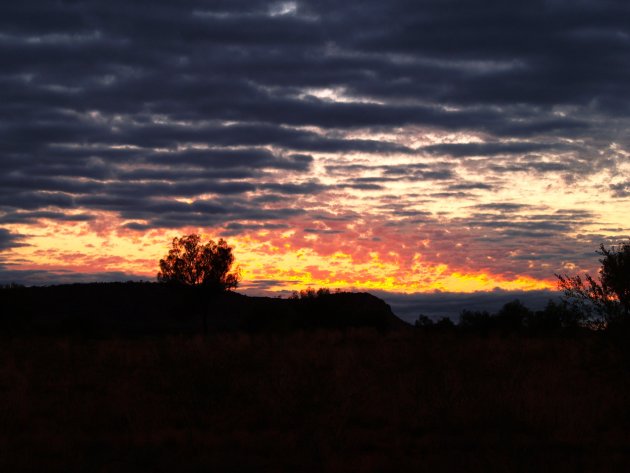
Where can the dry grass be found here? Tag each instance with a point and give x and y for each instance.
(324, 401)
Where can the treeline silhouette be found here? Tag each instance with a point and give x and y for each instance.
(146, 308)
(513, 317)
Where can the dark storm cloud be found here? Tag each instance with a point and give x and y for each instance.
(364, 186)
(29, 217)
(487, 149)
(237, 227)
(388, 175)
(537, 166)
(511, 222)
(9, 240)
(174, 214)
(463, 186)
(502, 207)
(230, 158)
(319, 231)
(306, 188)
(121, 106)
(621, 189)
(31, 200)
(412, 171)
(537, 52)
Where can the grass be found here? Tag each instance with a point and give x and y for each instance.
(319, 401)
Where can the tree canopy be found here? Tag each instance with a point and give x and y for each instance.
(607, 298)
(191, 263)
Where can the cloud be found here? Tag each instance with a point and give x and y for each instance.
(463, 186)
(488, 149)
(27, 217)
(621, 189)
(36, 277)
(486, 118)
(9, 240)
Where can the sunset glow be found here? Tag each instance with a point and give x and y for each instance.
(381, 146)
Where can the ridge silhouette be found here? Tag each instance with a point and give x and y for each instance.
(144, 308)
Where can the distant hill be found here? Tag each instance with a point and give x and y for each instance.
(136, 309)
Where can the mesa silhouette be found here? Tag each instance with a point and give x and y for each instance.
(144, 308)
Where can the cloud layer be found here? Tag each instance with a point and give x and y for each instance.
(486, 136)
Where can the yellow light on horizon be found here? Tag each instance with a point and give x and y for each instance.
(85, 247)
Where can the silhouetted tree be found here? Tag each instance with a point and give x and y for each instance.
(476, 320)
(424, 321)
(205, 266)
(606, 300)
(512, 316)
(444, 323)
(554, 317)
(191, 263)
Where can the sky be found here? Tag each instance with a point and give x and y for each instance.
(427, 148)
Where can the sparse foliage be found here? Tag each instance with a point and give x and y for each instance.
(606, 299)
(310, 293)
(191, 263)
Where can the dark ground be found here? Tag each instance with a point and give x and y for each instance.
(356, 400)
(119, 377)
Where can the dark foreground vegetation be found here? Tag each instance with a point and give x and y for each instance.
(354, 400)
(120, 377)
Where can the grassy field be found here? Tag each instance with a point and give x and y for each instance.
(320, 401)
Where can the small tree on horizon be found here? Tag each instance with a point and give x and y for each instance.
(607, 298)
(191, 263)
(206, 266)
